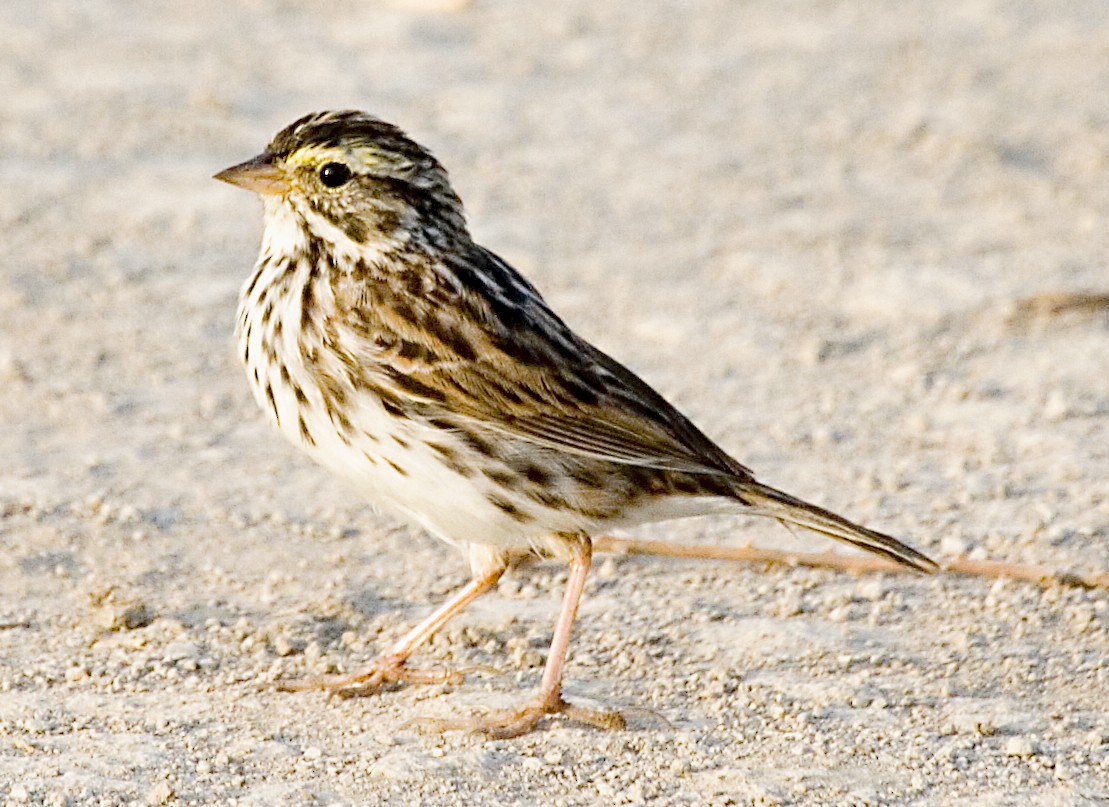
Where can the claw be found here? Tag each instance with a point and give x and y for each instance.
(370, 680)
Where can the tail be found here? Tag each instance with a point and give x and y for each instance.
(767, 501)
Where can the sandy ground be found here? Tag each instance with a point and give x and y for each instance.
(808, 224)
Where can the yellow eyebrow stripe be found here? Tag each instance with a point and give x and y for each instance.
(312, 156)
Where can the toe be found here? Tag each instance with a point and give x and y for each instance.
(598, 718)
(506, 724)
(370, 680)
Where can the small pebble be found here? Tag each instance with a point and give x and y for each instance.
(953, 546)
(1097, 737)
(1056, 407)
(161, 793)
(872, 590)
(1019, 747)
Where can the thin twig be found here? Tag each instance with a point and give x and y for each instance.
(1042, 575)
(1053, 303)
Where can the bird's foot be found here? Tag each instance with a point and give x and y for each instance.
(504, 724)
(386, 670)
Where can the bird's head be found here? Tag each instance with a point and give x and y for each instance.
(356, 174)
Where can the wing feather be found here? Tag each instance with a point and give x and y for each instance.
(491, 351)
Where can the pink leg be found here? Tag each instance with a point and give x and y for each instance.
(551, 685)
(548, 700)
(390, 667)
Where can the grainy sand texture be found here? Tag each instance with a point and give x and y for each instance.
(814, 226)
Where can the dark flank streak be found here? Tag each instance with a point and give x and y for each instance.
(445, 452)
(449, 457)
(505, 479)
(537, 475)
(396, 467)
(509, 508)
(477, 444)
(586, 477)
(600, 513)
(547, 498)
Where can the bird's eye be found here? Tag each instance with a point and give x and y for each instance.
(334, 174)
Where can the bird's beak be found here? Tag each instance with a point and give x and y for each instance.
(261, 175)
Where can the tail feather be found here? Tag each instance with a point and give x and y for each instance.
(773, 503)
